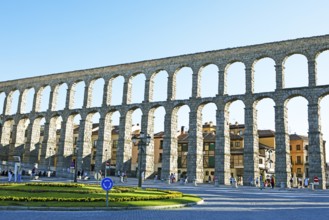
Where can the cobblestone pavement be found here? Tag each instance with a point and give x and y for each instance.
(221, 202)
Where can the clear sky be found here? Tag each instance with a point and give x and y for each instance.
(40, 37)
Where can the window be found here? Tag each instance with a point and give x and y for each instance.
(299, 160)
(212, 146)
(160, 158)
(184, 147)
(306, 158)
(161, 144)
(290, 148)
(298, 147)
(211, 163)
(299, 170)
(260, 161)
(237, 144)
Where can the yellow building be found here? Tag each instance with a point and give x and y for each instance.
(299, 155)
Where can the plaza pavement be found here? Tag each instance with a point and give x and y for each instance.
(223, 202)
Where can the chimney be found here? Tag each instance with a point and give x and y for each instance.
(182, 130)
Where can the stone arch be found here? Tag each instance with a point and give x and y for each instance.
(116, 90)
(209, 80)
(322, 60)
(159, 86)
(264, 71)
(7, 129)
(85, 141)
(295, 70)
(44, 98)
(78, 93)
(96, 94)
(27, 100)
(12, 102)
(235, 75)
(61, 97)
(2, 102)
(183, 81)
(137, 81)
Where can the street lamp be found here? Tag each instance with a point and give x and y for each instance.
(75, 165)
(105, 163)
(142, 141)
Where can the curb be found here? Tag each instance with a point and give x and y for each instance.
(100, 208)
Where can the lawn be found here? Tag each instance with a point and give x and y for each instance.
(87, 195)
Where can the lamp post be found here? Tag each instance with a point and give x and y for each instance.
(105, 163)
(141, 141)
(75, 164)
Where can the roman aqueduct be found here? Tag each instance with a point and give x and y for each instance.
(21, 131)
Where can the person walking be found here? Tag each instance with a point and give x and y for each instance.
(10, 175)
(272, 182)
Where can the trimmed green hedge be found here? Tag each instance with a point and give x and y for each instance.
(169, 194)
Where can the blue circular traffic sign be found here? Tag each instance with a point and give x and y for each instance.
(107, 183)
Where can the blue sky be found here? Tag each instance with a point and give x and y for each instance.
(42, 37)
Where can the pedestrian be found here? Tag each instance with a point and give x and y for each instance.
(272, 182)
(291, 181)
(33, 173)
(306, 182)
(10, 175)
(300, 182)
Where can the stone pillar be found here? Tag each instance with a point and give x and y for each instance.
(251, 145)
(21, 106)
(49, 141)
(12, 145)
(69, 102)
(37, 100)
(148, 154)
(84, 143)
(53, 98)
(222, 82)
(169, 157)
(126, 96)
(196, 83)
(148, 92)
(282, 146)
(195, 148)
(107, 91)
(124, 150)
(33, 138)
(315, 149)
(87, 100)
(222, 147)
(279, 72)
(171, 87)
(249, 79)
(5, 138)
(312, 73)
(66, 140)
(104, 144)
(8, 103)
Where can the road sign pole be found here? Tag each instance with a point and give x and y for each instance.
(107, 198)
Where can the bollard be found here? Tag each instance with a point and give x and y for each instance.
(312, 186)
